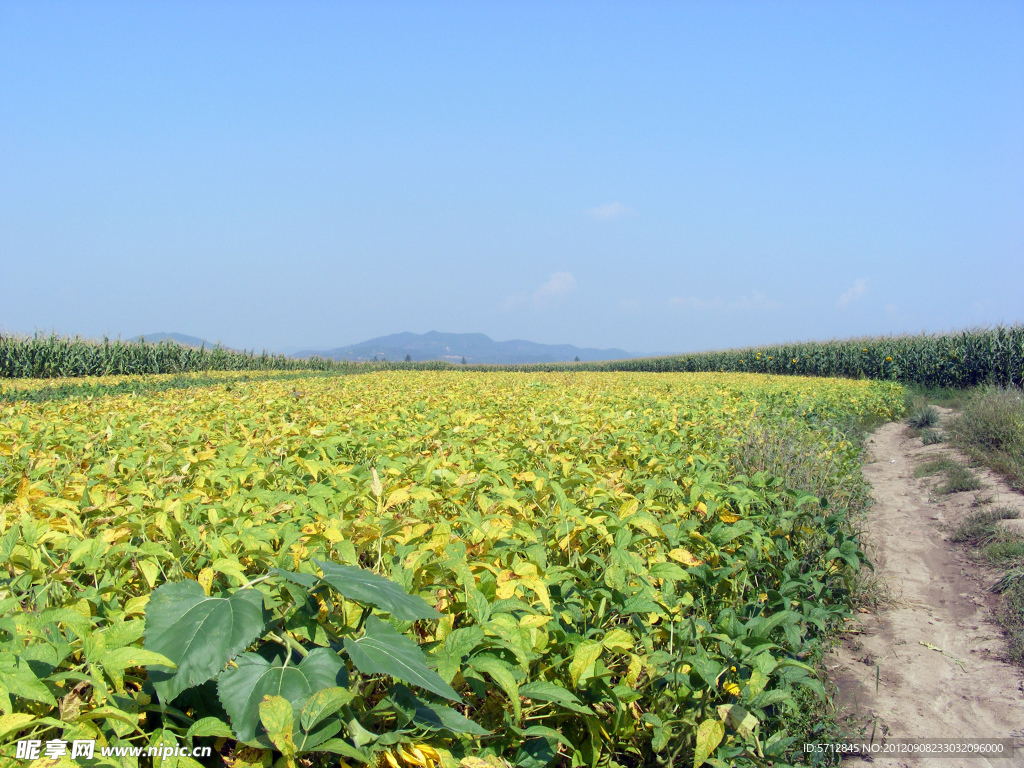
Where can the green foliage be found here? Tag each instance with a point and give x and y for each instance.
(935, 363)
(42, 391)
(321, 672)
(923, 416)
(1003, 548)
(363, 586)
(199, 634)
(58, 356)
(963, 359)
(959, 479)
(1011, 612)
(383, 651)
(991, 429)
(982, 527)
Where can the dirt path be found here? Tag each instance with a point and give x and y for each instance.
(929, 664)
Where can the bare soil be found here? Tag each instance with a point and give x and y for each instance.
(930, 663)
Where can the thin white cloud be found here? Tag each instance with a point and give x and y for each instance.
(695, 302)
(610, 211)
(560, 284)
(853, 293)
(755, 301)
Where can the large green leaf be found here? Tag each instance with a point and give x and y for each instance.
(198, 633)
(541, 690)
(383, 651)
(23, 682)
(456, 646)
(436, 717)
(302, 579)
(322, 705)
(535, 753)
(365, 587)
(242, 688)
(502, 674)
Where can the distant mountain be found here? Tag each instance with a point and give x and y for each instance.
(180, 338)
(453, 347)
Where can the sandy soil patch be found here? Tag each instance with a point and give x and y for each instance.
(930, 663)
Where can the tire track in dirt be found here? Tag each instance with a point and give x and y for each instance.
(929, 664)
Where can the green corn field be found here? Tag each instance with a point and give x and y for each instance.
(55, 356)
(961, 359)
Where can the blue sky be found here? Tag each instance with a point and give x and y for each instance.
(651, 176)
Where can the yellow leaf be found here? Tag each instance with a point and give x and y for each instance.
(64, 761)
(618, 639)
(276, 715)
(541, 590)
(709, 735)
(397, 496)
(629, 508)
(150, 572)
(534, 621)
(115, 534)
(429, 751)
(507, 584)
(15, 721)
(411, 757)
(728, 517)
(633, 671)
(251, 757)
(732, 688)
(205, 580)
(231, 569)
(21, 502)
(757, 682)
(136, 605)
(586, 654)
(686, 557)
(737, 718)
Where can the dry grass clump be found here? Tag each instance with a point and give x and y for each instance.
(991, 429)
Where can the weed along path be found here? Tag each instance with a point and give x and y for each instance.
(929, 664)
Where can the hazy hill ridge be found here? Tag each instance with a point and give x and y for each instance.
(180, 338)
(476, 348)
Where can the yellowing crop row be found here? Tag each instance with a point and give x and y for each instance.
(613, 574)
